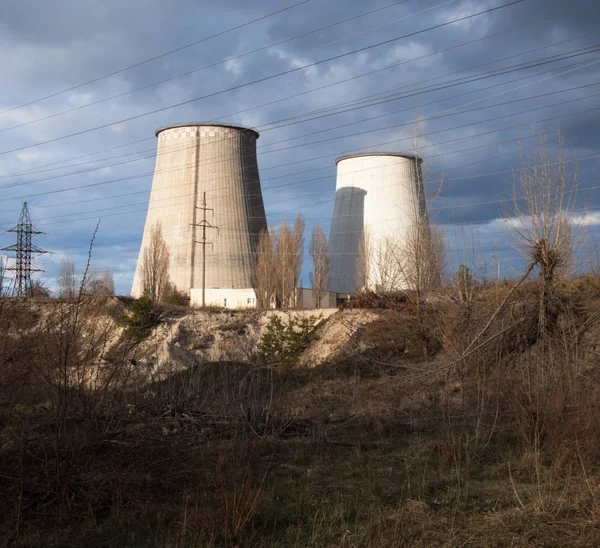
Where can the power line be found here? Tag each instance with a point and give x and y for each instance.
(204, 224)
(526, 123)
(476, 78)
(536, 21)
(267, 189)
(263, 79)
(431, 208)
(233, 58)
(156, 57)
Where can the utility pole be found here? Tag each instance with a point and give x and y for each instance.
(23, 250)
(204, 224)
(497, 267)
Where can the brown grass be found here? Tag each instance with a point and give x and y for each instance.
(399, 444)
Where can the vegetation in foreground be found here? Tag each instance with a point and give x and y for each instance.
(442, 428)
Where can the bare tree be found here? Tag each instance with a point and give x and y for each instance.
(92, 284)
(463, 284)
(319, 277)
(108, 282)
(100, 284)
(155, 265)
(289, 252)
(423, 247)
(67, 280)
(541, 217)
(388, 265)
(2, 275)
(265, 271)
(377, 265)
(284, 267)
(413, 261)
(297, 252)
(38, 289)
(420, 258)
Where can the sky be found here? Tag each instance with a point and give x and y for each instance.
(85, 85)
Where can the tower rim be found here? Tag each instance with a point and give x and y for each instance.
(207, 124)
(406, 155)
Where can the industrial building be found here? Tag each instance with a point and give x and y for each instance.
(379, 201)
(206, 197)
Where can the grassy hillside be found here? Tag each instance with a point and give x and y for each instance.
(463, 421)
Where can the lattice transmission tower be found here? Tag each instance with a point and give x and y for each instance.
(24, 251)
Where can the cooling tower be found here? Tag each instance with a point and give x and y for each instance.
(217, 162)
(378, 204)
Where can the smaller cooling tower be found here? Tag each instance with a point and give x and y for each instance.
(379, 201)
(218, 162)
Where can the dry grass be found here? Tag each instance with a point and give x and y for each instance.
(390, 446)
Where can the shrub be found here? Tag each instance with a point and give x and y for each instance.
(283, 342)
(141, 319)
(174, 297)
(388, 300)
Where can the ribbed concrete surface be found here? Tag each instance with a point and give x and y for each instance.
(378, 194)
(221, 161)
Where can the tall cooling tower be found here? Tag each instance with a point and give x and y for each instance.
(379, 199)
(217, 161)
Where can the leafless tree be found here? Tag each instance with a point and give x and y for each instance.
(289, 252)
(38, 289)
(283, 262)
(377, 264)
(413, 261)
(100, 283)
(2, 275)
(265, 273)
(319, 277)
(423, 248)
(67, 280)
(155, 265)
(541, 217)
(297, 251)
(420, 258)
(108, 282)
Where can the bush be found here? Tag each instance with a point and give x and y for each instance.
(141, 319)
(174, 297)
(283, 342)
(369, 299)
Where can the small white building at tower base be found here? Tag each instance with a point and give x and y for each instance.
(224, 298)
(234, 299)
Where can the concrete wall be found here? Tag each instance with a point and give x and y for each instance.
(379, 197)
(246, 298)
(345, 236)
(221, 162)
(306, 299)
(225, 298)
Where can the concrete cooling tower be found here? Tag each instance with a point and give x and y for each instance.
(218, 163)
(379, 201)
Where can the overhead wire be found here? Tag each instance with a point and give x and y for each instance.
(151, 153)
(385, 128)
(261, 80)
(563, 129)
(536, 21)
(327, 177)
(445, 181)
(238, 57)
(157, 57)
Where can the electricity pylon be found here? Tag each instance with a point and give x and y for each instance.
(24, 250)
